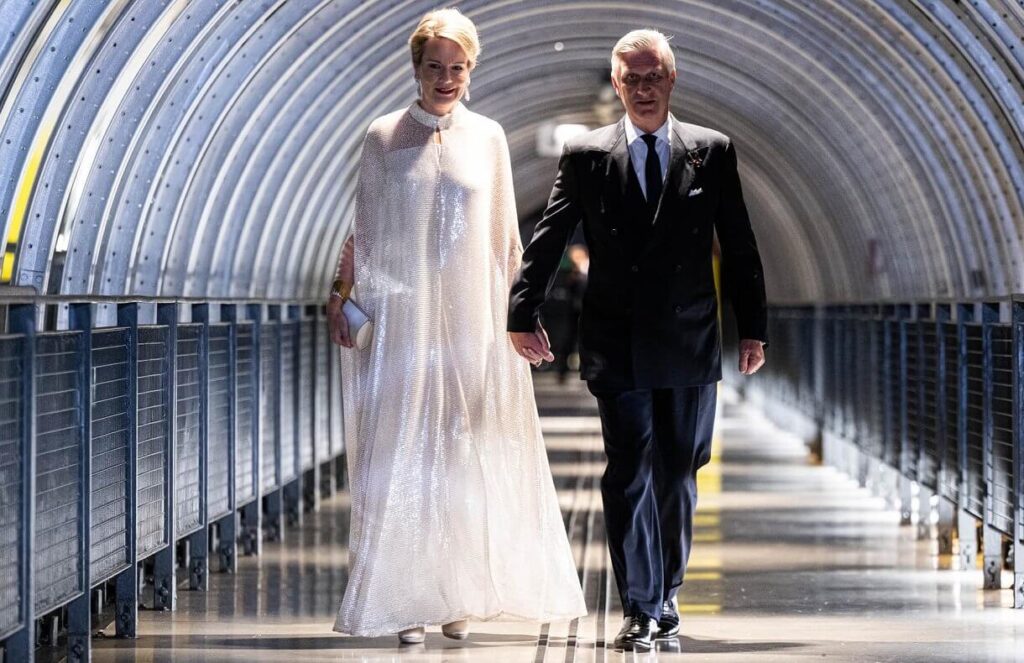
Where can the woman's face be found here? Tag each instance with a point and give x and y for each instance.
(443, 75)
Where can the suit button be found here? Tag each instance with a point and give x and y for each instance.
(634, 269)
(679, 309)
(615, 232)
(696, 230)
(679, 268)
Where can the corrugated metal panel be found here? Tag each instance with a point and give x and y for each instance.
(55, 545)
(111, 433)
(930, 429)
(1002, 487)
(189, 429)
(11, 454)
(269, 389)
(245, 491)
(153, 435)
(950, 486)
(218, 467)
(322, 418)
(974, 491)
(289, 330)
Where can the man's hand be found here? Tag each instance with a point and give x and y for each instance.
(533, 346)
(751, 356)
(337, 325)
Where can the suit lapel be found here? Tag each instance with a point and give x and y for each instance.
(619, 154)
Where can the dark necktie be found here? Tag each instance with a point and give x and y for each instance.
(652, 171)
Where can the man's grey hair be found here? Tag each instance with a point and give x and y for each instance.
(644, 40)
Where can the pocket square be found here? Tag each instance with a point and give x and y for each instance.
(695, 192)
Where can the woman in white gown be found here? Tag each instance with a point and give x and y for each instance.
(454, 512)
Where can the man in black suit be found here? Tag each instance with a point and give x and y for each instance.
(652, 192)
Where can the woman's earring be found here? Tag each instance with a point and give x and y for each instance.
(419, 88)
(466, 96)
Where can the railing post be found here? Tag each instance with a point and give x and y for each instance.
(251, 513)
(311, 488)
(967, 528)
(992, 540)
(79, 615)
(1018, 452)
(904, 317)
(924, 317)
(164, 577)
(127, 585)
(946, 508)
(20, 647)
(293, 492)
(274, 518)
(228, 529)
(199, 541)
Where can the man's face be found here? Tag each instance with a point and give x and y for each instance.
(644, 85)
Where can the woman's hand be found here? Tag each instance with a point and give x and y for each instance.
(337, 325)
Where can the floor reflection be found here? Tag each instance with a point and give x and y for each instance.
(792, 562)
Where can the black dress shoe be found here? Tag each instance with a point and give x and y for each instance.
(668, 625)
(636, 633)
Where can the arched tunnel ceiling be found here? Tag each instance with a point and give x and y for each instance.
(208, 147)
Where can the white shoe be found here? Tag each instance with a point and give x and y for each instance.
(456, 630)
(412, 636)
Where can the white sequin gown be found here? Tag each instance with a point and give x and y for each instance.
(454, 512)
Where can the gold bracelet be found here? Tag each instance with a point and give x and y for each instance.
(341, 289)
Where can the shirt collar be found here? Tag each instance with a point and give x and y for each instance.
(633, 134)
(441, 122)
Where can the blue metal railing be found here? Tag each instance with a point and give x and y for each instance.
(923, 394)
(175, 429)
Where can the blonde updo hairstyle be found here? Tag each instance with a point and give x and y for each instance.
(448, 24)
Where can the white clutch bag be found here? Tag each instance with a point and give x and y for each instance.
(360, 327)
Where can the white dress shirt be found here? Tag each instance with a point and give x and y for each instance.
(638, 150)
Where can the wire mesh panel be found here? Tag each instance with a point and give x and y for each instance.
(11, 500)
(289, 377)
(218, 462)
(1001, 413)
(306, 386)
(245, 367)
(322, 417)
(911, 396)
(930, 429)
(111, 435)
(269, 389)
(949, 486)
(153, 437)
(55, 545)
(188, 396)
(974, 490)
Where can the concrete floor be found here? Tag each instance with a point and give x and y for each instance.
(792, 562)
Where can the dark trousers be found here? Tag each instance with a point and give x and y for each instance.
(655, 440)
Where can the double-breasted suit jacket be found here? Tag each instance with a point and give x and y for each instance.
(649, 317)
